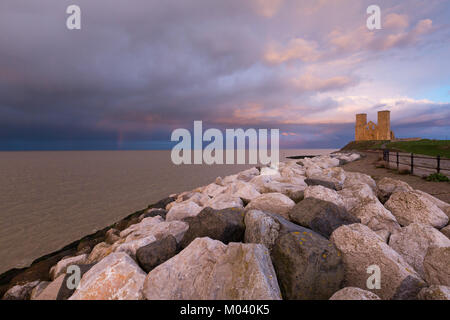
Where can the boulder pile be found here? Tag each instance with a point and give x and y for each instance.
(303, 229)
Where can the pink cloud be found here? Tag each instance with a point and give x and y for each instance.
(296, 49)
(396, 21)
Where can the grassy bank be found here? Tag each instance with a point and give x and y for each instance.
(425, 146)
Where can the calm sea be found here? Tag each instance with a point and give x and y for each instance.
(50, 199)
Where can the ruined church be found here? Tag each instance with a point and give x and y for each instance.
(372, 131)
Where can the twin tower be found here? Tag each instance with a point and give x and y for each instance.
(372, 131)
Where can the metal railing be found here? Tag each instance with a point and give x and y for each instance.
(400, 157)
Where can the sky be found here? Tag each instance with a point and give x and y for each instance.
(139, 69)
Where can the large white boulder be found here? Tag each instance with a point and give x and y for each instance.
(147, 231)
(444, 206)
(272, 202)
(210, 270)
(356, 178)
(436, 266)
(260, 227)
(248, 174)
(387, 186)
(62, 265)
(182, 210)
(413, 241)
(244, 190)
(213, 190)
(360, 201)
(435, 292)
(362, 250)
(116, 277)
(353, 293)
(409, 207)
(224, 201)
(326, 194)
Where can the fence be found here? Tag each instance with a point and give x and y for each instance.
(418, 162)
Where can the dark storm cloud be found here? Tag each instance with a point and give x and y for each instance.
(139, 69)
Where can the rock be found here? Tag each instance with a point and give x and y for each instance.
(229, 179)
(323, 183)
(435, 293)
(272, 202)
(355, 178)
(225, 200)
(99, 252)
(357, 194)
(321, 216)
(210, 270)
(387, 186)
(295, 191)
(444, 206)
(51, 290)
(38, 289)
(413, 241)
(213, 190)
(226, 225)
(436, 266)
(383, 234)
(156, 252)
(112, 235)
(263, 183)
(20, 291)
(161, 204)
(182, 210)
(148, 231)
(409, 207)
(156, 227)
(116, 277)
(308, 266)
(85, 246)
(322, 193)
(269, 171)
(334, 175)
(132, 243)
(153, 212)
(261, 227)
(353, 293)
(65, 292)
(292, 169)
(246, 191)
(61, 266)
(362, 203)
(446, 231)
(361, 248)
(346, 158)
(200, 198)
(248, 175)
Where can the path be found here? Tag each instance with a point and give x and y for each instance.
(440, 190)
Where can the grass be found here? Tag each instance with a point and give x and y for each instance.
(437, 177)
(364, 145)
(425, 146)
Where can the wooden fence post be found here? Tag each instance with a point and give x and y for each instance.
(412, 163)
(398, 163)
(438, 163)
